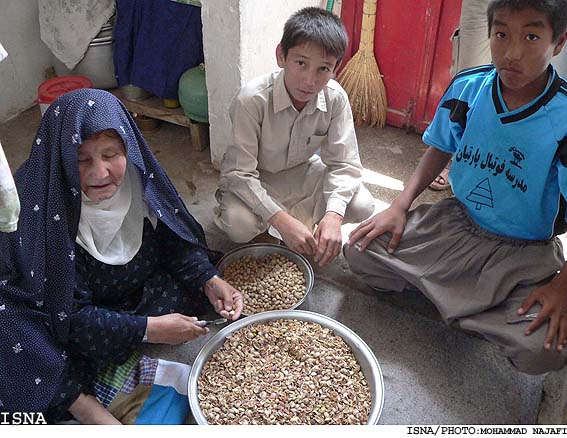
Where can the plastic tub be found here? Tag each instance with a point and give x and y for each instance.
(51, 89)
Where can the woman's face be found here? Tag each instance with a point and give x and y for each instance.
(102, 164)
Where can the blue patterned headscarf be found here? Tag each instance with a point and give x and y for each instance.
(37, 268)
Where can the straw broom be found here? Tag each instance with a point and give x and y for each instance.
(361, 77)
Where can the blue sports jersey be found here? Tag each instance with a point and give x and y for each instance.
(508, 166)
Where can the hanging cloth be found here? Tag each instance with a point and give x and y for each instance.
(67, 27)
(155, 42)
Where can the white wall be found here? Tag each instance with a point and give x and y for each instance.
(23, 70)
(221, 44)
(240, 39)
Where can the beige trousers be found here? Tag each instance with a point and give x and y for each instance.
(471, 45)
(477, 280)
(298, 191)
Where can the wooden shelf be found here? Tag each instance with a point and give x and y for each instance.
(153, 107)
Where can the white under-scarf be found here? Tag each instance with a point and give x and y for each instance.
(111, 230)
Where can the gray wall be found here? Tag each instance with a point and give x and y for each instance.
(24, 69)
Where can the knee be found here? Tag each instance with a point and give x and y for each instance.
(237, 220)
(347, 252)
(354, 258)
(537, 360)
(368, 267)
(360, 207)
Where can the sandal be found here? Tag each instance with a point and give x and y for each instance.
(441, 182)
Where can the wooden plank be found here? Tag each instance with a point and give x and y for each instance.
(153, 107)
(199, 136)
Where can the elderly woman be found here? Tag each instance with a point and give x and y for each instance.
(106, 257)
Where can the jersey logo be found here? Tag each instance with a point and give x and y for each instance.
(481, 195)
(518, 156)
(459, 110)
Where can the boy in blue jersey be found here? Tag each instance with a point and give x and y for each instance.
(489, 258)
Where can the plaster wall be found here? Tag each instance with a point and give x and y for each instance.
(24, 69)
(261, 31)
(239, 39)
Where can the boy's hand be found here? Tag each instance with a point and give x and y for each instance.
(329, 238)
(392, 220)
(553, 299)
(295, 235)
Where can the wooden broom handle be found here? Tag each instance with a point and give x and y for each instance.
(368, 25)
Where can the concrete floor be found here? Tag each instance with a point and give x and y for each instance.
(432, 374)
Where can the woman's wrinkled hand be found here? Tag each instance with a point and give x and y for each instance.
(392, 220)
(553, 299)
(173, 329)
(226, 300)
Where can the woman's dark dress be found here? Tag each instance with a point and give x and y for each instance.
(112, 302)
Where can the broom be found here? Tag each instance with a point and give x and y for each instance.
(361, 77)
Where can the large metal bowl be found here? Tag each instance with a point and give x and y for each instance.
(261, 249)
(368, 362)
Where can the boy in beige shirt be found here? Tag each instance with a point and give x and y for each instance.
(272, 176)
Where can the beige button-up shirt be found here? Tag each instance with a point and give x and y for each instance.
(270, 135)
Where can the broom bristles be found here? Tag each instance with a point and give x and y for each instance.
(362, 81)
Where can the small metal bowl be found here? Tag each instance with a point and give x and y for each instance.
(261, 249)
(366, 359)
(134, 93)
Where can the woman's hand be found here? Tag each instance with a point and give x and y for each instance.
(392, 220)
(88, 410)
(173, 329)
(553, 299)
(226, 300)
(329, 238)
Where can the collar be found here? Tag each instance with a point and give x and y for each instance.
(553, 85)
(282, 100)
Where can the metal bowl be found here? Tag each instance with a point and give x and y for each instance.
(366, 359)
(261, 249)
(134, 93)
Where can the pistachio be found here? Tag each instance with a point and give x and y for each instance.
(293, 372)
(271, 282)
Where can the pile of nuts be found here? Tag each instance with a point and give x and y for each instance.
(284, 372)
(271, 282)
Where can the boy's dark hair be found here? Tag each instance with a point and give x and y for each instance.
(556, 11)
(317, 26)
